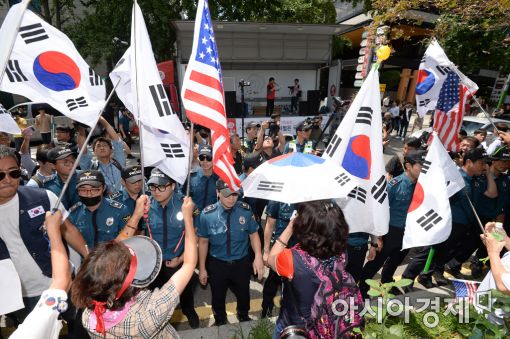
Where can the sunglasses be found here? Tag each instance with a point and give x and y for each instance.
(14, 174)
(204, 158)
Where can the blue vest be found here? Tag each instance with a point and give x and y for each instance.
(32, 236)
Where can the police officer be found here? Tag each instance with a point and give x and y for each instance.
(166, 224)
(250, 139)
(357, 246)
(278, 217)
(400, 194)
(131, 187)
(98, 218)
(302, 143)
(203, 181)
(225, 230)
(63, 158)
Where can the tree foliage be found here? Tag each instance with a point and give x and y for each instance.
(474, 33)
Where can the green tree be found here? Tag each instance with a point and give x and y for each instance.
(474, 33)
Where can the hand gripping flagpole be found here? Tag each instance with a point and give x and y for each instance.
(487, 115)
(82, 149)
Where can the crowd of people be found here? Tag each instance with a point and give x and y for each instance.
(125, 284)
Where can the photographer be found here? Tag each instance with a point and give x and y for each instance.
(315, 123)
(266, 143)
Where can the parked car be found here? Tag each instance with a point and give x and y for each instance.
(30, 112)
(470, 124)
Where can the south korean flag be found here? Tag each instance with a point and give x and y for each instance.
(357, 147)
(429, 218)
(44, 66)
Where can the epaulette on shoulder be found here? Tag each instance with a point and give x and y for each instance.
(394, 181)
(210, 208)
(244, 205)
(116, 204)
(74, 207)
(115, 195)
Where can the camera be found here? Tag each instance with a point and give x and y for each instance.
(274, 128)
(244, 83)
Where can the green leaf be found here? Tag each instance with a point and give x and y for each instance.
(397, 330)
(404, 282)
(372, 283)
(374, 293)
(391, 296)
(476, 334)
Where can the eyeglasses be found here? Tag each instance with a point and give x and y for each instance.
(84, 191)
(160, 188)
(204, 157)
(14, 174)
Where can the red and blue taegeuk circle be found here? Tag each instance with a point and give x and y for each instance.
(57, 71)
(425, 81)
(358, 158)
(296, 159)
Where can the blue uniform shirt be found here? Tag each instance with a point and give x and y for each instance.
(358, 239)
(202, 189)
(104, 224)
(282, 213)
(56, 185)
(490, 208)
(400, 194)
(213, 225)
(167, 226)
(111, 173)
(461, 210)
(125, 199)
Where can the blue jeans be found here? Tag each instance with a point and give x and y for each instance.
(278, 329)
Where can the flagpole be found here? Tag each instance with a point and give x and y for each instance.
(432, 251)
(11, 47)
(474, 211)
(140, 125)
(487, 115)
(190, 162)
(82, 149)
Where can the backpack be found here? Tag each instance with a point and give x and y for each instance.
(337, 284)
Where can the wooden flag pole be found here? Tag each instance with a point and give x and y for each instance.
(82, 149)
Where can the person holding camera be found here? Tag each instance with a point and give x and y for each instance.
(302, 143)
(295, 94)
(266, 143)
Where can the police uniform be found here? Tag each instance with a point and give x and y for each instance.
(56, 185)
(400, 194)
(357, 246)
(282, 213)
(228, 263)
(202, 188)
(295, 146)
(103, 224)
(249, 145)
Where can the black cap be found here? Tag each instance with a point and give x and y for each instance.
(303, 125)
(159, 178)
(253, 161)
(132, 174)
(415, 157)
(223, 188)
(205, 150)
(93, 178)
(501, 153)
(59, 153)
(476, 154)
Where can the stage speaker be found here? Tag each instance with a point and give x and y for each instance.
(314, 100)
(230, 103)
(303, 108)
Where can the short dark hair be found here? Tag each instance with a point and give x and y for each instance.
(502, 127)
(473, 140)
(102, 139)
(320, 228)
(271, 79)
(10, 152)
(480, 131)
(41, 154)
(413, 142)
(101, 276)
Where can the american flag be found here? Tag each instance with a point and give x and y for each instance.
(453, 96)
(203, 97)
(465, 288)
